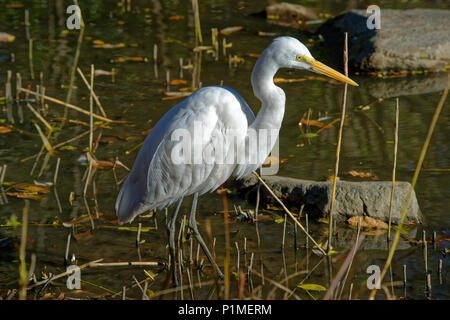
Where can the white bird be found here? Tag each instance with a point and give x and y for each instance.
(176, 160)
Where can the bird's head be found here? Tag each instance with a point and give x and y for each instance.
(288, 52)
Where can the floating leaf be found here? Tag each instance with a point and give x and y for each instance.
(109, 46)
(132, 59)
(172, 98)
(15, 5)
(176, 17)
(354, 173)
(310, 123)
(4, 129)
(268, 34)
(254, 55)
(312, 287)
(332, 178)
(82, 236)
(30, 188)
(68, 147)
(236, 60)
(43, 184)
(323, 220)
(229, 30)
(308, 135)
(367, 222)
(99, 72)
(279, 220)
(24, 195)
(177, 82)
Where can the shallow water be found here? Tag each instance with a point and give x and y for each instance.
(136, 96)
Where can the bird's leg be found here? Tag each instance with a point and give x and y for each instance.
(194, 229)
(171, 234)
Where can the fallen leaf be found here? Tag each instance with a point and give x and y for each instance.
(331, 178)
(279, 220)
(99, 72)
(308, 135)
(267, 34)
(24, 195)
(367, 222)
(310, 123)
(177, 82)
(229, 30)
(254, 55)
(69, 147)
(312, 287)
(109, 46)
(43, 184)
(82, 236)
(354, 173)
(4, 129)
(172, 98)
(236, 60)
(176, 17)
(30, 188)
(133, 59)
(16, 5)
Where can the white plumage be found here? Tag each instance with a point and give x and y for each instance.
(157, 181)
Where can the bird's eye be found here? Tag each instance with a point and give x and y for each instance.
(304, 59)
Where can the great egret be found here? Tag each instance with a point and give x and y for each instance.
(158, 179)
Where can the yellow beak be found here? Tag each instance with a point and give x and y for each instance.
(321, 68)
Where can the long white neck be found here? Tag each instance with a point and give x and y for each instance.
(272, 98)
(266, 126)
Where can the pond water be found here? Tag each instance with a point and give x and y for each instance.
(136, 96)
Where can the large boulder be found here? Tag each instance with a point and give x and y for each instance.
(289, 14)
(407, 39)
(369, 198)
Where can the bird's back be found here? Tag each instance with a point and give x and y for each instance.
(155, 181)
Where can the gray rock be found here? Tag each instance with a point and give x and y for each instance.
(369, 198)
(289, 15)
(407, 40)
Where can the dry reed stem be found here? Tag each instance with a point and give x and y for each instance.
(23, 280)
(97, 100)
(68, 105)
(91, 112)
(338, 147)
(394, 168)
(75, 62)
(44, 139)
(41, 118)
